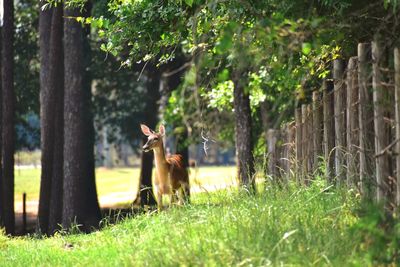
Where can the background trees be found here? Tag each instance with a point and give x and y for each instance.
(8, 116)
(80, 203)
(51, 99)
(256, 58)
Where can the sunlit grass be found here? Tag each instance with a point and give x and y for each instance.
(121, 180)
(295, 227)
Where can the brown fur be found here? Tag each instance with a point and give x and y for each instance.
(171, 175)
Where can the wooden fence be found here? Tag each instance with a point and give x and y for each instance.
(350, 130)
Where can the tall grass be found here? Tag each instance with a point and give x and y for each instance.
(278, 226)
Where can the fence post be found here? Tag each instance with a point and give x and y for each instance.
(273, 154)
(298, 144)
(381, 141)
(24, 213)
(291, 147)
(310, 142)
(329, 128)
(397, 113)
(304, 148)
(339, 111)
(365, 120)
(317, 124)
(284, 158)
(352, 122)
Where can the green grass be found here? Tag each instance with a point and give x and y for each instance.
(120, 180)
(300, 227)
(107, 181)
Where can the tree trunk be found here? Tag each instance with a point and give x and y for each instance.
(1, 162)
(145, 196)
(182, 147)
(47, 104)
(93, 204)
(243, 134)
(8, 119)
(57, 85)
(80, 203)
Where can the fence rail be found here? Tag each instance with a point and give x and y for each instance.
(351, 126)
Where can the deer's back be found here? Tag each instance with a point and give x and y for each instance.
(179, 173)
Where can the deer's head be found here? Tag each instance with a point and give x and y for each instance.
(154, 140)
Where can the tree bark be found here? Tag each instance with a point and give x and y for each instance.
(8, 119)
(243, 134)
(80, 203)
(57, 85)
(145, 196)
(1, 127)
(46, 119)
(93, 204)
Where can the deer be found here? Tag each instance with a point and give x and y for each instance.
(172, 177)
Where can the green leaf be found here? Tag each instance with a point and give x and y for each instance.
(189, 2)
(224, 44)
(223, 75)
(306, 48)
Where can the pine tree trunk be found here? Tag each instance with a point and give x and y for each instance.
(52, 91)
(57, 85)
(8, 119)
(93, 208)
(46, 119)
(1, 127)
(243, 134)
(80, 203)
(145, 196)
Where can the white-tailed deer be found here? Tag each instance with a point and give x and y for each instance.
(171, 175)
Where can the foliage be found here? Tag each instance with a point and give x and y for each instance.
(26, 60)
(28, 132)
(280, 49)
(379, 234)
(119, 99)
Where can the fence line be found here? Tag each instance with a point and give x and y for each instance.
(352, 125)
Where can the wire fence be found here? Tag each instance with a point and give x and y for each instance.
(351, 128)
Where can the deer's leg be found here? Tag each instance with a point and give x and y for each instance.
(180, 196)
(159, 200)
(173, 197)
(186, 193)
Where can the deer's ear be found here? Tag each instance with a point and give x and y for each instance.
(161, 130)
(145, 130)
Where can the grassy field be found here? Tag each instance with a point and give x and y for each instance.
(295, 227)
(314, 226)
(121, 180)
